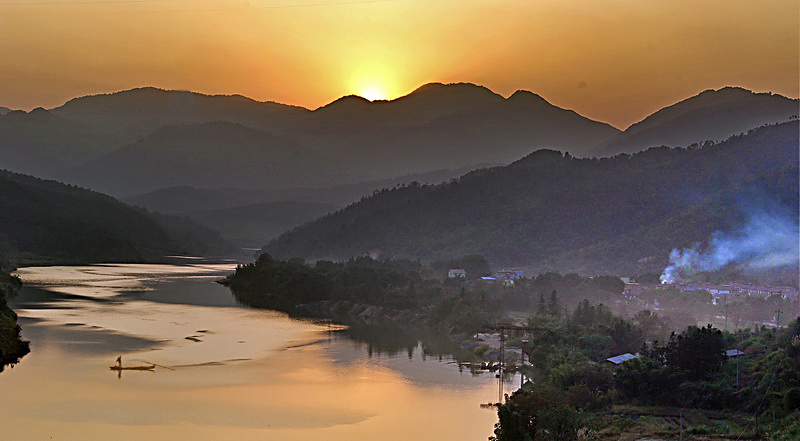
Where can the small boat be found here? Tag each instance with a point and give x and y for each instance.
(119, 367)
(133, 368)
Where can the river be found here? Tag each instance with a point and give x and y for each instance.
(239, 373)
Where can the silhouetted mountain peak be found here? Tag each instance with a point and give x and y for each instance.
(139, 94)
(727, 91)
(712, 97)
(37, 115)
(528, 99)
(450, 88)
(346, 102)
(147, 100)
(712, 114)
(526, 95)
(450, 94)
(542, 157)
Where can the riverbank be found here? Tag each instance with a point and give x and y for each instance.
(12, 347)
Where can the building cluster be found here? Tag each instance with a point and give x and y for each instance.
(504, 276)
(719, 292)
(738, 290)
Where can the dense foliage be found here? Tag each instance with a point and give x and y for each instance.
(404, 285)
(756, 395)
(12, 347)
(392, 285)
(552, 211)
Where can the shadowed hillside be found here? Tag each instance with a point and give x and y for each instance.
(711, 115)
(216, 154)
(46, 222)
(552, 211)
(42, 143)
(185, 199)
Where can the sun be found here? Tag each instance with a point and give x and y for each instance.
(373, 93)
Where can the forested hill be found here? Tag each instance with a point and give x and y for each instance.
(550, 211)
(47, 222)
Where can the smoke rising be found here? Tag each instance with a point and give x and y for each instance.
(767, 240)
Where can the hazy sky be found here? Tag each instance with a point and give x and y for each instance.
(615, 60)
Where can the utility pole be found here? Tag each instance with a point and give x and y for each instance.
(502, 362)
(502, 330)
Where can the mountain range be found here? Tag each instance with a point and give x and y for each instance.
(193, 155)
(553, 211)
(140, 140)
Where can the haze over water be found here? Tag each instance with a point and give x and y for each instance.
(241, 374)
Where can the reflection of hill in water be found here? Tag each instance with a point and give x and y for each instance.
(393, 340)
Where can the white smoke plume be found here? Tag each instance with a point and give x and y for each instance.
(765, 241)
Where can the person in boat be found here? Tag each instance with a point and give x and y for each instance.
(119, 361)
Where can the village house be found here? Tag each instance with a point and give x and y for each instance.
(457, 273)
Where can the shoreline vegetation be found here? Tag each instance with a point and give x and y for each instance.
(12, 347)
(681, 382)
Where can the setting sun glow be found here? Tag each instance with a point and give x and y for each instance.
(310, 53)
(373, 93)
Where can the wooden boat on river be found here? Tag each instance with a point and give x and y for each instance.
(133, 368)
(150, 367)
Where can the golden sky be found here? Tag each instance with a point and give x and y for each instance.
(611, 60)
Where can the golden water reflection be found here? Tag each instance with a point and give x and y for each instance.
(247, 374)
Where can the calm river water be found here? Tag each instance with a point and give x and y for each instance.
(239, 373)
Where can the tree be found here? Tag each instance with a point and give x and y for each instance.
(541, 309)
(553, 305)
(699, 352)
(539, 414)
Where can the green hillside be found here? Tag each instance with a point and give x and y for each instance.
(550, 211)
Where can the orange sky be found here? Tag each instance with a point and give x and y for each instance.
(614, 61)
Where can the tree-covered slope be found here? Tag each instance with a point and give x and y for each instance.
(553, 211)
(46, 221)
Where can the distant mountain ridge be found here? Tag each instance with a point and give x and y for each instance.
(711, 115)
(174, 138)
(213, 154)
(141, 110)
(551, 211)
(445, 126)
